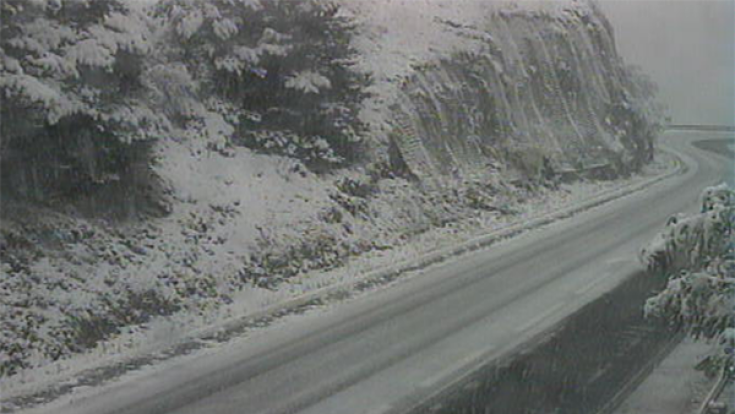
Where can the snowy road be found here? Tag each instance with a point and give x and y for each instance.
(390, 349)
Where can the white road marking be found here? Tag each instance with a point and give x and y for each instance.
(586, 288)
(538, 319)
(469, 359)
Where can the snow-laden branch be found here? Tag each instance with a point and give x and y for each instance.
(698, 252)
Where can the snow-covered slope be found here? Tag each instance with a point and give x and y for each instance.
(477, 99)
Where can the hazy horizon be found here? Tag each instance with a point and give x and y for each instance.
(687, 47)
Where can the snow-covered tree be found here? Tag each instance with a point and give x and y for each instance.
(636, 115)
(283, 69)
(698, 252)
(72, 90)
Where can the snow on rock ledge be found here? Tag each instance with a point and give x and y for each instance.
(465, 87)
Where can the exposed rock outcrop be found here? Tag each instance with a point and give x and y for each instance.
(532, 90)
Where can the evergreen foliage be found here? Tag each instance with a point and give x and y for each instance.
(73, 96)
(84, 82)
(698, 253)
(280, 71)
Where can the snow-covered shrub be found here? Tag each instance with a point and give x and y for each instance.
(716, 197)
(702, 302)
(698, 253)
(276, 263)
(286, 66)
(635, 116)
(357, 185)
(691, 242)
(310, 149)
(173, 91)
(73, 96)
(356, 206)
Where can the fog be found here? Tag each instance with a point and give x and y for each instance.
(688, 48)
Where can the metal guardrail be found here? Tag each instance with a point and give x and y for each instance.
(715, 392)
(629, 387)
(702, 127)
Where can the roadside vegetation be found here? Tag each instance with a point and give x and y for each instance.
(93, 95)
(162, 160)
(697, 252)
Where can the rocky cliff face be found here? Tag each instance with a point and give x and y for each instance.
(544, 93)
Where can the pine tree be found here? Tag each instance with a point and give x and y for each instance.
(698, 253)
(72, 90)
(285, 70)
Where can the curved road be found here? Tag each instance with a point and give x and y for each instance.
(390, 349)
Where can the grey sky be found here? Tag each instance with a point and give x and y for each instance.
(688, 47)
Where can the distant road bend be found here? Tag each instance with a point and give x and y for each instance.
(690, 127)
(391, 349)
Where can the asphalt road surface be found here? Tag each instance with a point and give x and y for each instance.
(391, 349)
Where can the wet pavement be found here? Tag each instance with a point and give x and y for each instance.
(587, 366)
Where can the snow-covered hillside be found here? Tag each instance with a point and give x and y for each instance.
(477, 115)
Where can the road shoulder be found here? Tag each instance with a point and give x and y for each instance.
(674, 386)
